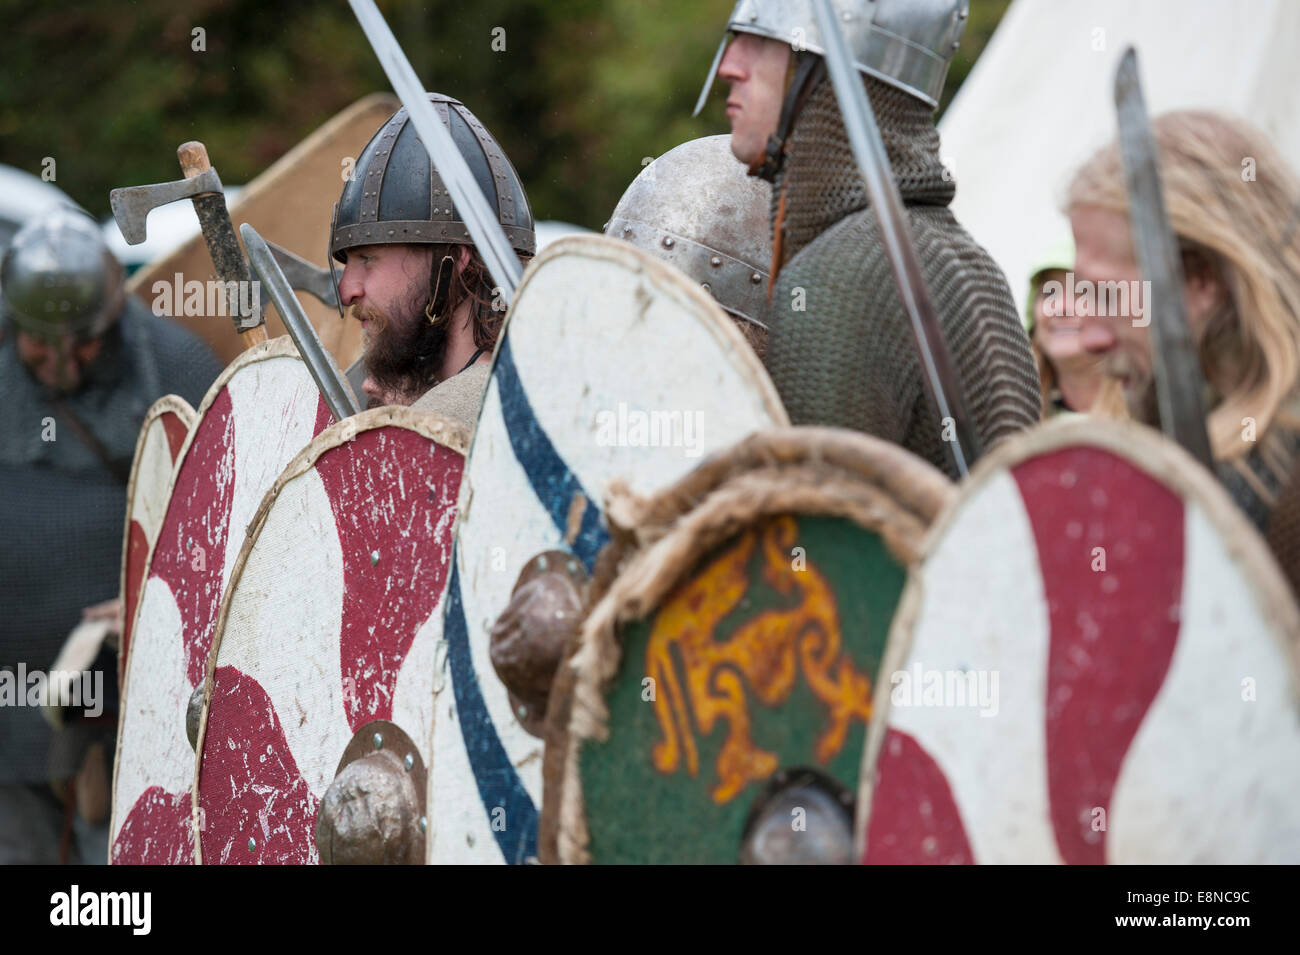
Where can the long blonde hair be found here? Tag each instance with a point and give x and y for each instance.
(1233, 203)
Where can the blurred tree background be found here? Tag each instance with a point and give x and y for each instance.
(584, 90)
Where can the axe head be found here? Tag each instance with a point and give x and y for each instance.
(132, 204)
(303, 276)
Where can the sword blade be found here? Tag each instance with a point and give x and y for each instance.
(484, 227)
(1177, 366)
(342, 403)
(869, 149)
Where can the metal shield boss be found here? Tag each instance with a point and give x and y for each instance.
(1094, 662)
(612, 367)
(257, 415)
(717, 700)
(315, 744)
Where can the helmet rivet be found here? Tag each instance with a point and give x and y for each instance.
(409, 762)
(715, 261)
(706, 286)
(378, 741)
(424, 823)
(627, 230)
(756, 278)
(668, 242)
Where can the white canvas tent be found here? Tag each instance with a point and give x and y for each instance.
(1040, 100)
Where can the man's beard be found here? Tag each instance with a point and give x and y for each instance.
(1135, 400)
(404, 351)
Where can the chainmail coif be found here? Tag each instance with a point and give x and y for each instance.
(848, 358)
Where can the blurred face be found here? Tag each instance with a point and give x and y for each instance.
(1056, 333)
(60, 365)
(756, 69)
(387, 287)
(1104, 253)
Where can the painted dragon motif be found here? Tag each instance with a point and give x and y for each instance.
(765, 655)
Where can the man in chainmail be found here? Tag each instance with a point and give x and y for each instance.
(840, 349)
(80, 364)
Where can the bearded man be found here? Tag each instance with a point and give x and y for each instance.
(411, 274)
(840, 349)
(1240, 249)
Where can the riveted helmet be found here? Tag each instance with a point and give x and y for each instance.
(59, 278)
(908, 44)
(395, 194)
(696, 208)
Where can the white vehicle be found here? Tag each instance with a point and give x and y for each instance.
(23, 196)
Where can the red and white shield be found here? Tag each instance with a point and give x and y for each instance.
(260, 412)
(166, 426)
(1096, 662)
(332, 620)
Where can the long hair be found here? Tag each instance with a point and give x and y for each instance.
(1232, 202)
(472, 284)
(445, 293)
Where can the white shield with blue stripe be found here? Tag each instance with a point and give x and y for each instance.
(611, 366)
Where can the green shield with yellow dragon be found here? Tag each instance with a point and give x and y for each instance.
(715, 703)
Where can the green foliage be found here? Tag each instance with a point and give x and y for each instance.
(583, 92)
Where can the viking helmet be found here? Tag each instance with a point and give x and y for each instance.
(58, 277)
(905, 43)
(395, 195)
(695, 208)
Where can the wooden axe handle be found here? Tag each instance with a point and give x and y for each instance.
(219, 234)
(194, 158)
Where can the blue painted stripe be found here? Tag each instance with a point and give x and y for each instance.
(498, 783)
(552, 480)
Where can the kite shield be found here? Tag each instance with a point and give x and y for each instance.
(731, 661)
(611, 367)
(259, 413)
(1095, 662)
(320, 689)
(166, 426)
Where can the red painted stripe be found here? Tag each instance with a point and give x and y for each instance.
(1113, 631)
(198, 516)
(914, 817)
(157, 831)
(323, 417)
(393, 493)
(249, 783)
(137, 553)
(176, 432)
